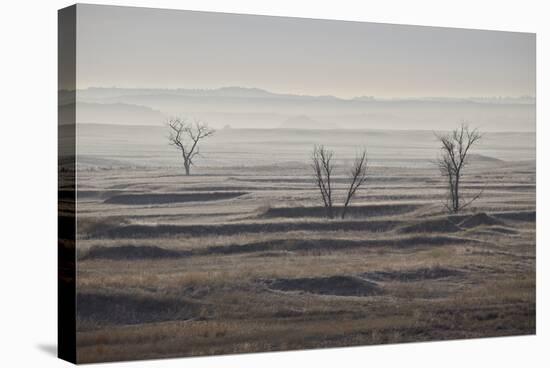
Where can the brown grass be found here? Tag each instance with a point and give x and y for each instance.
(180, 279)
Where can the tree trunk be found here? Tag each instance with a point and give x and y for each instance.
(452, 193)
(330, 213)
(456, 204)
(187, 168)
(344, 212)
(345, 209)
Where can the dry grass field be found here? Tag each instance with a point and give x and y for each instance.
(238, 257)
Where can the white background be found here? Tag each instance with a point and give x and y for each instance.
(28, 180)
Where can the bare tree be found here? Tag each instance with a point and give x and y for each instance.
(185, 137)
(357, 177)
(322, 166)
(455, 147)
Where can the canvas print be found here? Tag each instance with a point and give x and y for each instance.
(240, 183)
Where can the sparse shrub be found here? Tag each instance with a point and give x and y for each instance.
(357, 177)
(323, 167)
(185, 137)
(455, 148)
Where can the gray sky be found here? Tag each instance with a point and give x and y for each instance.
(151, 48)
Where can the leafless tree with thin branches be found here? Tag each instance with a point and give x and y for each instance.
(185, 137)
(321, 162)
(455, 148)
(357, 177)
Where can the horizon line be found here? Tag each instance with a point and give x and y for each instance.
(306, 129)
(353, 98)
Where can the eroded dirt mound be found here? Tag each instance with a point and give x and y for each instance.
(135, 231)
(132, 309)
(355, 211)
(480, 219)
(333, 285)
(428, 273)
(529, 216)
(431, 226)
(131, 252)
(167, 198)
(291, 245)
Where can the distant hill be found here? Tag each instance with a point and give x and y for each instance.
(304, 122)
(257, 108)
(114, 113)
(474, 157)
(246, 92)
(94, 93)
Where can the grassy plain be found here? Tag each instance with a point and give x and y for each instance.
(240, 259)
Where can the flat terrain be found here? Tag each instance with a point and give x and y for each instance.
(239, 258)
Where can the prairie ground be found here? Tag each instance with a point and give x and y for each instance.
(240, 259)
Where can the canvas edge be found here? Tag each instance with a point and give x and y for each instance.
(66, 256)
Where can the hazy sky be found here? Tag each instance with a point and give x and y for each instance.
(138, 47)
